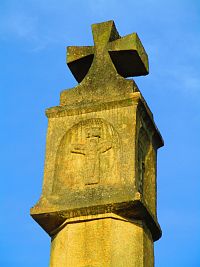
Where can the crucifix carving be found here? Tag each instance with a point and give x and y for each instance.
(143, 147)
(141, 166)
(92, 149)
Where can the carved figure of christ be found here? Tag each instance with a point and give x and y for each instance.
(92, 150)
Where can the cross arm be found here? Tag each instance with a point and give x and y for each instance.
(79, 60)
(129, 56)
(78, 149)
(105, 146)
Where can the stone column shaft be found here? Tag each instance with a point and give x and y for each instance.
(102, 241)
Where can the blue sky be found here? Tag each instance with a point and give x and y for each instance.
(33, 37)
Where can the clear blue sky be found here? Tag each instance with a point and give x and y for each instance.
(33, 37)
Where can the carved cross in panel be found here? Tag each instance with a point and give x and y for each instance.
(143, 147)
(141, 167)
(123, 55)
(92, 149)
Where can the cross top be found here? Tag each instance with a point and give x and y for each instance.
(110, 54)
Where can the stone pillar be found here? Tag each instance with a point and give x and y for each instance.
(102, 240)
(98, 202)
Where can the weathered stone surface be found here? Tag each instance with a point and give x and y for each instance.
(100, 68)
(102, 241)
(101, 159)
(127, 54)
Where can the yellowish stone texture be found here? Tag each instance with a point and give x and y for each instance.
(98, 202)
(105, 240)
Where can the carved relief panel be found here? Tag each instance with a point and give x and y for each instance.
(143, 146)
(88, 154)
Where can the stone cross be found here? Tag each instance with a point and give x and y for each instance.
(100, 208)
(126, 54)
(92, 150)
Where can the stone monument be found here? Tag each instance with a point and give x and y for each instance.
(98, 202)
